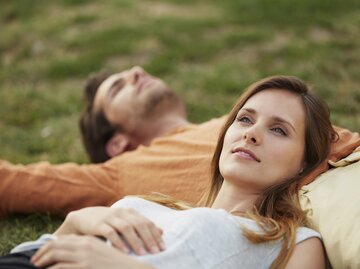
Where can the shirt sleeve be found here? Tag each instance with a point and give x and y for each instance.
(58, 189)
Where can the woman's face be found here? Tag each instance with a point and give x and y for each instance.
(265, 143)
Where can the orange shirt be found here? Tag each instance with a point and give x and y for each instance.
(177, 164)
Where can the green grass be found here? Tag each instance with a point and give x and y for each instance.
(208, 51)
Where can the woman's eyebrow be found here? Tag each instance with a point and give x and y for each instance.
(281, 120)
(275, 118)
(250, 110)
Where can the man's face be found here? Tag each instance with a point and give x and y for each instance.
(133, 99)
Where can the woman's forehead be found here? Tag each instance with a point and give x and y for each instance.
(277, 103)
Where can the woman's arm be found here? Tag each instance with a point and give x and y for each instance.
(76, 251)
(308, 254)
(122, 226)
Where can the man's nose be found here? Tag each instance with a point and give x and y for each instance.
(137, 68)
(136, 72)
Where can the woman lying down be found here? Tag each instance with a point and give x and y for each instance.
(250, 217)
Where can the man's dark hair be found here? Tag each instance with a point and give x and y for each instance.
(95, 128)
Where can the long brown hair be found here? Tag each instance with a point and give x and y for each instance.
(277, 210)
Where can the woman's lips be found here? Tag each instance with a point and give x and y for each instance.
(245, 153)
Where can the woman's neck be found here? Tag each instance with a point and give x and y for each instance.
(234, 199)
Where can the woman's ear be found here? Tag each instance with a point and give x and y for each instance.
(117, 145)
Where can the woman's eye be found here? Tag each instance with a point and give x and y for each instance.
(244, 119)
(279, 131)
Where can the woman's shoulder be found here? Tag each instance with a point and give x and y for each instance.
(303, 233)
(309, 245)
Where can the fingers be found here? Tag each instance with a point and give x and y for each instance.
(140, 233)
(47, 255)
(63, 265)
(111, 233)
(123, 234)
(130, 235)
(150, 235)
(82, 252)
(125, 228)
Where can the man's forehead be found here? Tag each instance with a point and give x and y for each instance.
(111, 79)
(106, 84)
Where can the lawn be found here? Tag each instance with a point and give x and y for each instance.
(207, 50)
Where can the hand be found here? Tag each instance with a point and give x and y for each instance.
(123, 227)
(79, 251)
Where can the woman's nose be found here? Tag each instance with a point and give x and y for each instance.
(251, 136)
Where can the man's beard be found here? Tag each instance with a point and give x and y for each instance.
(156, 100)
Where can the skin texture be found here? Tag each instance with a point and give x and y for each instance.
(139, 234)
(124, 96)
(271, 139)
(141, 105)
(83, 252)
(308, 254)
(264, 146)
(278, 147)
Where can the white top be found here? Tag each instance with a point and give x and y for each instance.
(206, 238)
(199, 238)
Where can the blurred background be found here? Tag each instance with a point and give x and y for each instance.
(206, 50)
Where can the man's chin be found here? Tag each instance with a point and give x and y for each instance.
(163, 99)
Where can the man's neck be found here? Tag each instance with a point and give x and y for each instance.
(170, 124)
(165, 126)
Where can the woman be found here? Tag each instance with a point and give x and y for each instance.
(276, 133)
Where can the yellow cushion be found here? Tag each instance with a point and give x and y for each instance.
(334, 208)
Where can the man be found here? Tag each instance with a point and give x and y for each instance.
(125, 110)
(137, 115)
